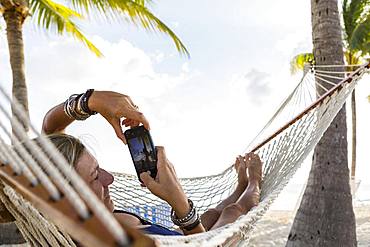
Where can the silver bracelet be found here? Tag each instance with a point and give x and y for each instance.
(190, 221)
(72, 108)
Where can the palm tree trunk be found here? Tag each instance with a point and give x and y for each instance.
(14, 17)
(325, 216)
(354, 135)
(15, 12)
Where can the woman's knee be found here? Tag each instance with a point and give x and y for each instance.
(209, 218)
(233, 209)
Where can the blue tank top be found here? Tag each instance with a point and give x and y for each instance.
(151, 228)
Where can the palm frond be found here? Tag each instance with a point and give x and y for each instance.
(354, 57)
(51, 15)
(133, 10)
(86, 5)
(347, 19)
(298, 62)
(353, 11)
(361, 36)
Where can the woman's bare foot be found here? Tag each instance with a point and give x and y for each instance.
(241, 169)
(251, 195)
(254, 165)
(211, 216)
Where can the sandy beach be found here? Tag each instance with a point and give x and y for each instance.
(274, 227)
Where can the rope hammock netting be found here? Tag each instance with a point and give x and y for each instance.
(282, 146)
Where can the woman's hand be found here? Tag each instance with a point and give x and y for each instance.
(114, 106)
(166, 185)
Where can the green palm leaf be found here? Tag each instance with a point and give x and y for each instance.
(360, 39)
(51, 15)
(299, 61)
(133, 10)
(354, 13)
(354, 57)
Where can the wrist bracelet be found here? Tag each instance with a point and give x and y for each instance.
(84, 102)
(193, 225)
(190, 221)
(73, 109)
(189, 216)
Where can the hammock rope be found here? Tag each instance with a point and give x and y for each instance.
(282, 153)
(282, 150)
(58, 170)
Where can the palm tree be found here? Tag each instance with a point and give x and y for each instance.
(356, 42)
(56, 17)
(325, 216)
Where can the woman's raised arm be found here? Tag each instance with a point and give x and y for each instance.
(55, 120)
(111, 105)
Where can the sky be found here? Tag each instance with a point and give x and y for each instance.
(204, 109)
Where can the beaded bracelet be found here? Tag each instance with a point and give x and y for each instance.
(84, 102)
(190, 221)
(70, 108)
(76, 106)
(193, 225)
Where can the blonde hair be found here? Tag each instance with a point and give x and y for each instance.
(70, 147)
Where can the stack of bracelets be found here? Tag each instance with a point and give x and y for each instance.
(76, 107)
(190, 221)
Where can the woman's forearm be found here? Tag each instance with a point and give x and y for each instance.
(55, 120)
(182, 208)
(111, 105)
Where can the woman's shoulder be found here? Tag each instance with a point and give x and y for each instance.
(136, 221)
(128, 218)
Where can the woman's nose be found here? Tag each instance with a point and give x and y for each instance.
(105, 177)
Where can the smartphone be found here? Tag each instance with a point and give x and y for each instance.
(142, 150)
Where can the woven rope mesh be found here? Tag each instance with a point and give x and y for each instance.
(281, 157)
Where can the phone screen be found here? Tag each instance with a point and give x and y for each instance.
(142, 150)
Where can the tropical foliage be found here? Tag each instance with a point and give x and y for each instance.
(298, 62)
(62, 19)
(356, 18)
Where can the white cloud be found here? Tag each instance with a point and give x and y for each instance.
(71, 68)
(286, 14)
(185, 67)
(295, 43)
(158, 56)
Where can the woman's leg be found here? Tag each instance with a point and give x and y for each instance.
(210, 217)
(248, 199)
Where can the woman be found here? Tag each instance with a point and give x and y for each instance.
(114, 106)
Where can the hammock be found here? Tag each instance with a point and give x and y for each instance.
(282, 147)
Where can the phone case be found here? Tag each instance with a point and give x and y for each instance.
(142, 150)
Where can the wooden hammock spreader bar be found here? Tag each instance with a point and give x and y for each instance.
(90, 232)
(313, 105)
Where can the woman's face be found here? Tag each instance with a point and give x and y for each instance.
(97, 178)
